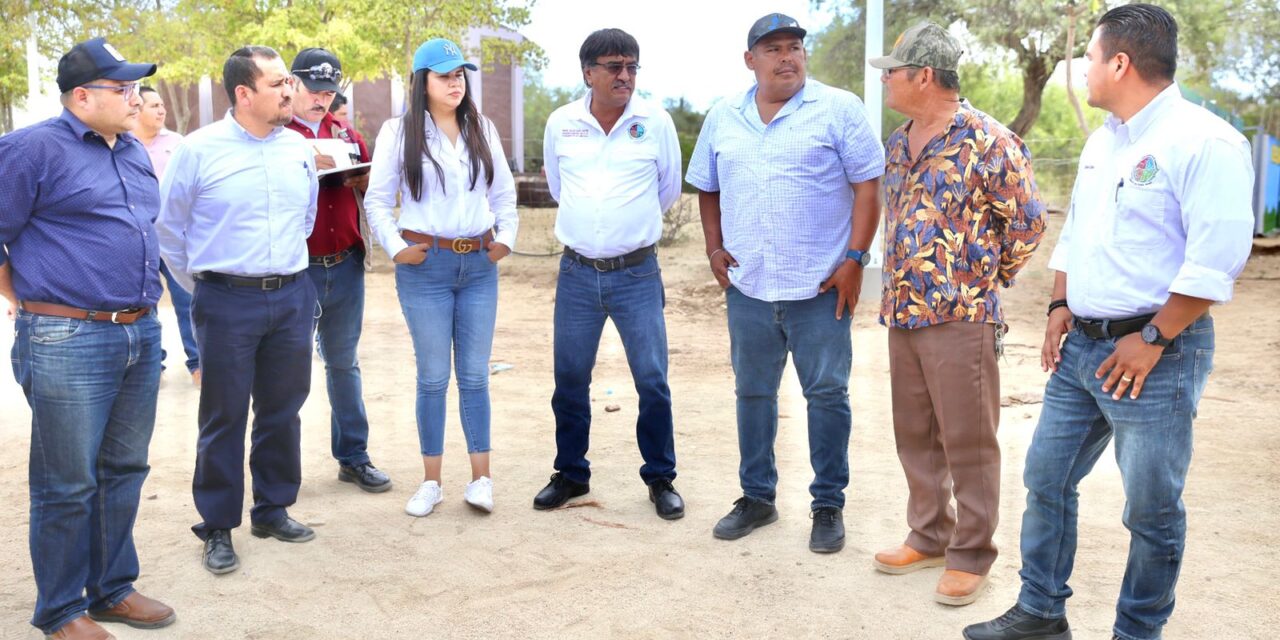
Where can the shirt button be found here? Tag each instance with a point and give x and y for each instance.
(130, 206)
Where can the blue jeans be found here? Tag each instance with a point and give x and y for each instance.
(181, 299)
(256, 347)
(761, 334)
(450, 303)
(92, 389)
(340, 292)
(633, 298)
(1153, 450)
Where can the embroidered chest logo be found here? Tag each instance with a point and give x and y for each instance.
(636, 131)
(574, 133)
(1145, 171)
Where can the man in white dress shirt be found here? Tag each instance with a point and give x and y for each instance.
(237, 204)
(1160, 225)
(613, 163)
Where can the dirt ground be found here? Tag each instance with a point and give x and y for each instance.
(611, 568)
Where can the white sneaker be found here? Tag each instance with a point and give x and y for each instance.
(427, 497)
(479, 494)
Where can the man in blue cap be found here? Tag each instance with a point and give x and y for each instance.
(82, 268)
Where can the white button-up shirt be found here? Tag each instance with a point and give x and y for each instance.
(1162, 204)
(451, 210)
(614, 187)
(234, 203)
(786, 204)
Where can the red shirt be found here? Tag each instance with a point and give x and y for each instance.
(337, 217)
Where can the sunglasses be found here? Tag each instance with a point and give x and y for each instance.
(615, 68)
(322, 71)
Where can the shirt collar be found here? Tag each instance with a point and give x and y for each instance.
(83, 130)
(1147, 114)
(810, 91)
(635, 107)
(230, 119)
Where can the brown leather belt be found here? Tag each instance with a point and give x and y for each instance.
(333, 258)
(127, 316)
(456, 245)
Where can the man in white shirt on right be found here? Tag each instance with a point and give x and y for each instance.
(613, 163)
(1160, 225)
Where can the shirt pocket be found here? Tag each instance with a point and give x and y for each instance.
(1139, 221)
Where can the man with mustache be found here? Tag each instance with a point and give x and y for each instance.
(336, 268)
(80, 264)
(237, 204)
(789, 180)
(613, 163)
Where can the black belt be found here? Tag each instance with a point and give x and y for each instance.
(1101, 329)
(267, 283)
(333, 258)
(613, 264)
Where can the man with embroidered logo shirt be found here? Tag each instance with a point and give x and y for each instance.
(336, 268)
(80, 263)
(963, 216)
(789, 175)
(613, 163)
(237, 204)
(1160, 225)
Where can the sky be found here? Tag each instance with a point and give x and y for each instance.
(689, 48)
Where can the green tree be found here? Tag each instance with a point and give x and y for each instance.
(14, 32)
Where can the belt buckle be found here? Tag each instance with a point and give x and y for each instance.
(462, 245)
(266, 283)
(606, 262)
(1106, 328)
(333, 259)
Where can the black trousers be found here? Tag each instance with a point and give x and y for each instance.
(255, 346)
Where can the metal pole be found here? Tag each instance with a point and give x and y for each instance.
(873, 97)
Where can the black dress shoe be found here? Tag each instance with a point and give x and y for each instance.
(746, 516)
(558, 491)
(1017, 624)
(219, 555)
(366, 476)
(668, 503)
(287, 530)
(827, 535)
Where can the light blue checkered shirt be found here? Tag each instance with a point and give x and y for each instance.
(785, 198)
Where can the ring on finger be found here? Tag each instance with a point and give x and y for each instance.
(1127, 378)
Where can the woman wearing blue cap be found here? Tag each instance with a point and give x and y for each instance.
(457, 219)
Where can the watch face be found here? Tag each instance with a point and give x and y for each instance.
(1150, 334)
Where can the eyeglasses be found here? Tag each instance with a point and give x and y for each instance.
(128, 91)
(615, 68)
(322, 71)
(888, 72)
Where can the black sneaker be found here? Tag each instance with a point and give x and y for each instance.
(366, 476)
(747, 515)
(558, 491)
(219, 555)
(1017, 624)
(827, 535)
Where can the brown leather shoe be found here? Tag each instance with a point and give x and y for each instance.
(958, 588)
(904, 559)
(137, 611)
(81, 628)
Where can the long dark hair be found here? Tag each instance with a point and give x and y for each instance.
(470, 123)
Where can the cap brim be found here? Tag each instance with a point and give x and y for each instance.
(887, 62)
(795, 31)
(320, 85)
(446, 67)
(132, 71)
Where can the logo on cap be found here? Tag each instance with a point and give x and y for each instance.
(450, 50)
(112, 50)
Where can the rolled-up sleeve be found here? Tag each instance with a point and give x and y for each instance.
(1217, 214)
(384, 186)
(177, 196)
(702, 163)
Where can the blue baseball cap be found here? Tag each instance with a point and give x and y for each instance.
(94, 60)
(439, 55)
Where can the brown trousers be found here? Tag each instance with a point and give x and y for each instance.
(946, 408)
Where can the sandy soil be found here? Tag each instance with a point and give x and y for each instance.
(610, 568)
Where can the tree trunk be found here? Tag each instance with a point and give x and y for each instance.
(1071, 53)
(178, 99)
(6, 116)
(1035, 75)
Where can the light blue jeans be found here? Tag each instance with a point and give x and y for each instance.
(450, 303)
(1153, 450)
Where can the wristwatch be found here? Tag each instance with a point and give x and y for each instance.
(861, 257)
(1151, 335)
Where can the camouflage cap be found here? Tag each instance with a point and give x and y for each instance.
(924, 45)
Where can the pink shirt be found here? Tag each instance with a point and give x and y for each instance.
(161, 148)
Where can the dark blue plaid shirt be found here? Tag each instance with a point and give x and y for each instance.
(77, 216)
